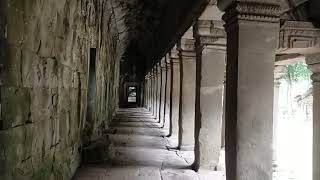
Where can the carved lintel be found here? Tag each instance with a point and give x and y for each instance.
(252, 11)
(298, 35)
(208, 40)
(204, 27)
(285, 59)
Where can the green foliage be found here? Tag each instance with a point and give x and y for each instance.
(296, 72)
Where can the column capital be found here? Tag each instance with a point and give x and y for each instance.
(187, 49)
(174, 53)
(147, 76)
(250, 10)
(158, 70)
(313, 61)
(175, 56)
(163, 64)
(168, 61)
(211, 35)
(154, 71)
(210, 28)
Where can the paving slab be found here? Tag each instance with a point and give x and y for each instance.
(142, 152)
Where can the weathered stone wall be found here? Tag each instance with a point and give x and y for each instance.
(44, 64)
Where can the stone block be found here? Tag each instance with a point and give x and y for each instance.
(15, 20)
(39, 72)
(32, 40)
(15, 103)
(42, 137)
(13, 148)
(41, 107)
(11, 66)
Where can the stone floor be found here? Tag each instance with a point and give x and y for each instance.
(143, 152)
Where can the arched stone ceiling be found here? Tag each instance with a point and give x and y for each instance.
(153, 26)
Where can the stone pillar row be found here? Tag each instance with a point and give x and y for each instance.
(187, 90)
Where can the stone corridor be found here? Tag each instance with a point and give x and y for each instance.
(149, 89)
(141, 151)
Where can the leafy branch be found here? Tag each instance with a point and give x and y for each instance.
(296, 72)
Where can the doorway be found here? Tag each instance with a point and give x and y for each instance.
(91, 91)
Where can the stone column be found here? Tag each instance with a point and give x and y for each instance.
(148, 91)
(188, 79)
(211, 56)
(223, 132)
(163, 90)
(275, 117)
(158, 92)
(167, 119)
(313, 62)
(278, 74)
(154, 92)
(252, 39)
(175, 94)
(145, 94)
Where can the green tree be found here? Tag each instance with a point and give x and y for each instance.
(294, 73)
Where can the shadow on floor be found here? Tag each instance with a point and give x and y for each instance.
(140, 152)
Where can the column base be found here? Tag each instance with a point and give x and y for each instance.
(196, 167)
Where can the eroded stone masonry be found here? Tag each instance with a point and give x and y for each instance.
(49, 51)
(199, 77)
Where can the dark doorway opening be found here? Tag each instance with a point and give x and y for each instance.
(91, 91)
